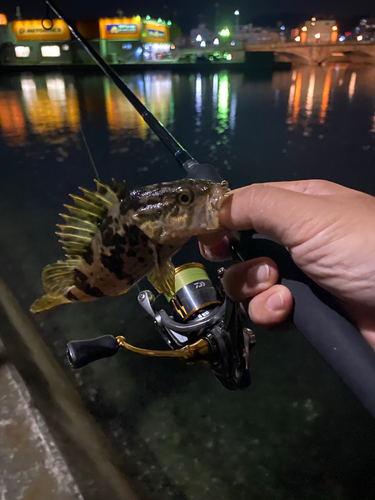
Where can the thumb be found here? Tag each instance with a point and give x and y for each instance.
(285, 215)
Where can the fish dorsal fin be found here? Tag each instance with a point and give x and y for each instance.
(58, 277)
(162, 276)
(120, 189)
(82, 222)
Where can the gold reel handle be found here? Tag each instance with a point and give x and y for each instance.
(198, 349)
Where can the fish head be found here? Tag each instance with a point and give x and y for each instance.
(177, 210)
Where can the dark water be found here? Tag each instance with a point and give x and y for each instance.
(297, 433)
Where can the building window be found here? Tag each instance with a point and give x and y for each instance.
(50, 51)
(22, 51)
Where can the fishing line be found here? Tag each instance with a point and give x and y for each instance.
(89, 153)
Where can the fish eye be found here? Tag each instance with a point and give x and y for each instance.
(185, 197)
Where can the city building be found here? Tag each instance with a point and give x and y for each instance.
(318, 31)
(366, 30)
(247, 34)
(119, 40)
(201, 36)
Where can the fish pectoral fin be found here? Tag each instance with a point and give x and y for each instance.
(59, 276)
(48, 302)
(162, 277)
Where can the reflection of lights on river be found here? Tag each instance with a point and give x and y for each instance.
(233, 110)
(158, 94)
(215, 87)
(121, 115)
(310, 95)
(353, 79)
(294, 99)
(223, 93)
(56, 88)
(198, 98)
(223, 108)
(325, 97)
(28, 88)
(50, 108)
(12, 121)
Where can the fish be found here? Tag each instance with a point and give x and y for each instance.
(114, 237)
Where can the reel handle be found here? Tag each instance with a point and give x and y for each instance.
(82, 352)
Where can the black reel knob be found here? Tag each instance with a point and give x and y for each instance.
(82, 352)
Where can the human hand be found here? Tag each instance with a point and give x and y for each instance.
(329, 231)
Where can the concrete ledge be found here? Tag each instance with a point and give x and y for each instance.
(95, 466)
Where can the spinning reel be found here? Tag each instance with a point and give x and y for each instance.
(203, 324)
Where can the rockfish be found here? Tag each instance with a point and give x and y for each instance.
(113, 238)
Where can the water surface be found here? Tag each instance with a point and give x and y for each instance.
(297, 432)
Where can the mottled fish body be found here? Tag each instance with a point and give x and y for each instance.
(113, 238)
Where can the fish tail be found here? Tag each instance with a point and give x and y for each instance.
(48, 302)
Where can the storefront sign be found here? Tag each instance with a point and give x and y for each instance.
(155, 32)
(120, 28)
(33, 30)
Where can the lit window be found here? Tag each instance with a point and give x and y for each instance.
(22, 51)
(50, 51)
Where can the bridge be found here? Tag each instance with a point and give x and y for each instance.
(318, 53)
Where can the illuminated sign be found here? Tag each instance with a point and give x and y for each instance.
(33, 30)
(121, 28)
(50, 51)
(155, 33)
(22, 51)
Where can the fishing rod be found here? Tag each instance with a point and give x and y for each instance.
(219, 333)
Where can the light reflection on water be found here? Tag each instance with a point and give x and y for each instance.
(49, 103)
(221, 114)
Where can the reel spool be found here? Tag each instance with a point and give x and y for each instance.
(194, 292)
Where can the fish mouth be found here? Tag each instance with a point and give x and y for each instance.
(213, 205)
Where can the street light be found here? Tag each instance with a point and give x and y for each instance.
(216, 41)
(203, 43)
(225, 32)
(198, 38)
(236, 12)
(297, 39)
(317, 36)
(359, 38)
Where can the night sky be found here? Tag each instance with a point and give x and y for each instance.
(188, 13)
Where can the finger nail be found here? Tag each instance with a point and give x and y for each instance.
(259, 273)
(275, 302)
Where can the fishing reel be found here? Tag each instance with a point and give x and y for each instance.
(202, 324)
